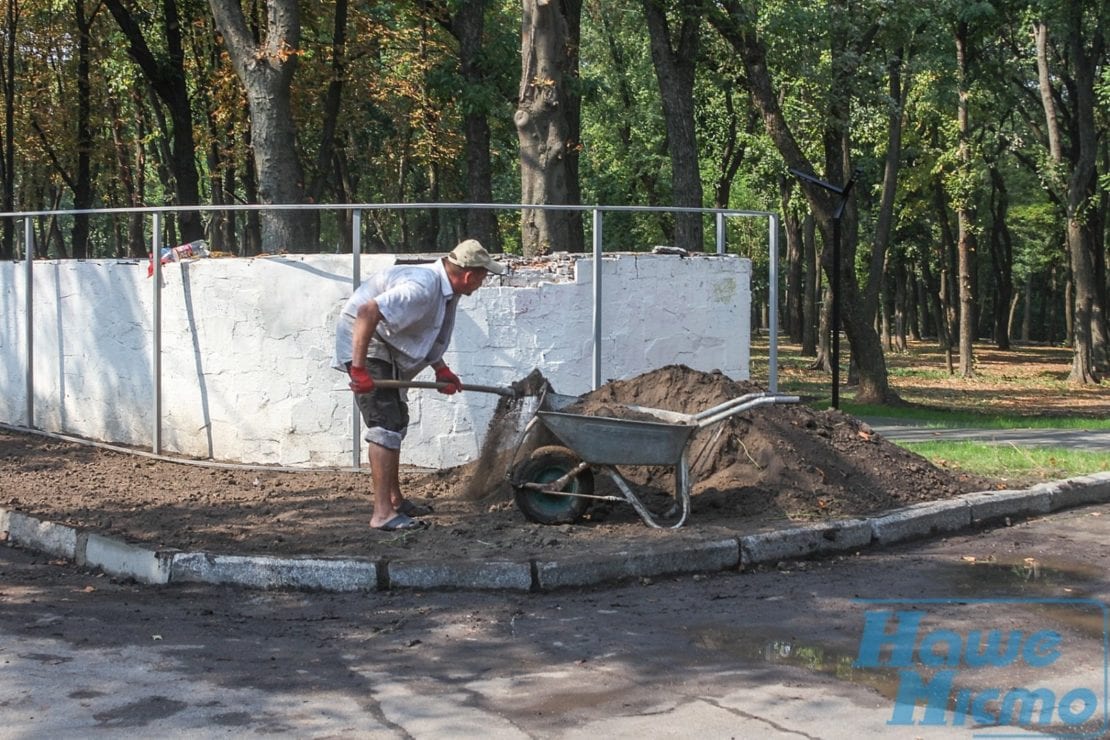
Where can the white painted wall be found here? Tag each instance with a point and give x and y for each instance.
(247, 347)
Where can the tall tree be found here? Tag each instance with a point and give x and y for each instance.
(674, 54)
(964, 198)
(544, 130)
(1083, 51)
(165, 73)
(467, 25)
(265, 66)
(7, 151)
(82, 179)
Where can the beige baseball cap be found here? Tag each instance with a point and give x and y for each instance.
(470, 253)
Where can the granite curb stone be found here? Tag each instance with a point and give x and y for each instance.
(359, 574)
(472, 574)
(802, 542)
(1084, 489)
(667, 560)
(263, 572)
(989, 506)
(921, 520)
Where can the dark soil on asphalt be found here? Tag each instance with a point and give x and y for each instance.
(758, 469)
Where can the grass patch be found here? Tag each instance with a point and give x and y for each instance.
(1007, 462)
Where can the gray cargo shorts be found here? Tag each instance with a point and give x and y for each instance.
(384, 410)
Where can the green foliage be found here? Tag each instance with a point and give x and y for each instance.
(400, 131)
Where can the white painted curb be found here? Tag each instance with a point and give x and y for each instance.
(120, 559)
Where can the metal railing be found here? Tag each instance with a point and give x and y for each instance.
(597, 243)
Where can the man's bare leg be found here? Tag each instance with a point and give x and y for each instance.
(385, 477)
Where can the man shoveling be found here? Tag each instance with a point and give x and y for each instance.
(398, 322)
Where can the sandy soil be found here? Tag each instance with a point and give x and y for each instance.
(755, 470)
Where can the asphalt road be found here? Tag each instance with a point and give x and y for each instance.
(805, 650)
(897, 430)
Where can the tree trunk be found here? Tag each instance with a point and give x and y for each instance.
(901, 301)
(332, 98)
(1002, 258)
(795, 266)
(965, 208)
(543, 130)
(1085, 315)
(674, 70)
(885, 220)
(481, 223)
(812, 287)
(1090, 328)
(7, 160)
(82, 180)
(823, 360)
(1027, 313)
(129, 182)
(1011, 314)
(266, 70)
(168, 79)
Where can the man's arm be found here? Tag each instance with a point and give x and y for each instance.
(366, 323)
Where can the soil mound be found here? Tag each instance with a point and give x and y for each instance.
(783, 457)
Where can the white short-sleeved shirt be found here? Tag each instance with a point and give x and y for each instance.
(417, 305)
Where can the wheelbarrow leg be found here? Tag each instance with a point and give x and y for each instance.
(682, 494)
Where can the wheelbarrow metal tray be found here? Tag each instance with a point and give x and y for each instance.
(602, 440)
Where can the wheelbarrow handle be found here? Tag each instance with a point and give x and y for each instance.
(497, 389)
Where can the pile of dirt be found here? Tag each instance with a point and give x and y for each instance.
(784, 459)
(754, 470)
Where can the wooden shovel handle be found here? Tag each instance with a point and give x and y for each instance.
(499, 390)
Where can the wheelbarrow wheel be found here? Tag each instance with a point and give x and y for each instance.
(545, 465)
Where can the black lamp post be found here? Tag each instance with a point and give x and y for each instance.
(834, 282)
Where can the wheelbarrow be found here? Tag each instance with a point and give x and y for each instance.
(555, 484)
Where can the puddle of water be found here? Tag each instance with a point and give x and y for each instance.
(1020, 576)
(756, 649)
(1029, 577)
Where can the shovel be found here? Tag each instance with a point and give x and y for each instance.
(507, 391)
(534, 384)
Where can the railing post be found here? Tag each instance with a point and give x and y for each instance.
(597, 298)
(356, 280)
(29, 319)
(773, 297)
(156, 352)
(720, 233)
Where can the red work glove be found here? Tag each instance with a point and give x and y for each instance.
(444, 375)
(361, 382)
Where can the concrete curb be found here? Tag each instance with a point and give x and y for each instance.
(468, 574)
(667, 560)
(262, 572)
(804, 541)
(921, 520)
(121, 559)
(160, 567)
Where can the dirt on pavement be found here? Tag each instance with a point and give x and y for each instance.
(763, 467)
